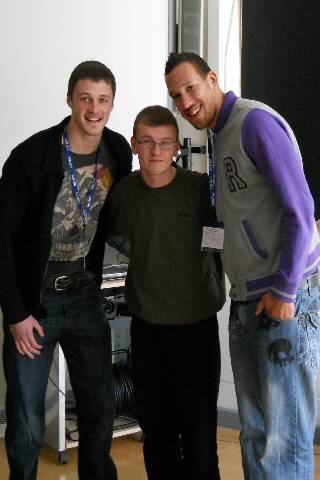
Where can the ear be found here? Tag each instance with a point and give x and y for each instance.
(69, 101)
(213, 79)
(134, 145)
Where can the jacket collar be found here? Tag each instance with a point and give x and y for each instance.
(52, 162)
(229, 100)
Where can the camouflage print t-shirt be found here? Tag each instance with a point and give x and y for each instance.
(68, 242)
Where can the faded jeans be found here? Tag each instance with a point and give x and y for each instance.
(275, 367)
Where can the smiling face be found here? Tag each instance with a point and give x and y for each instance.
(155, 162)
(91, 103)
(197, 97)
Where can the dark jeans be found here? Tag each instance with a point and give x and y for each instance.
(176, 373)
(78, 322)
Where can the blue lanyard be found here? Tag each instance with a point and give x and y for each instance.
(85, 212)
(212, 167)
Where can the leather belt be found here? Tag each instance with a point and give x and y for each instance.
(73, 281)
(311, 282)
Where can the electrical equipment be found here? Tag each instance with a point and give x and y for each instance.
(191, 26)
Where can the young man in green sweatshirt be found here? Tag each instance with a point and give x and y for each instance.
(174, 289)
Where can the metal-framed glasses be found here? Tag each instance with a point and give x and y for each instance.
(163, 144)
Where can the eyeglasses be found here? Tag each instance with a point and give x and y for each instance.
(163, 144)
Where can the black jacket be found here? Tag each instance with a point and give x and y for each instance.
(31, 180)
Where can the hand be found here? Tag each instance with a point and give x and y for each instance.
(318, 225)
(24, 336)
(275, 307)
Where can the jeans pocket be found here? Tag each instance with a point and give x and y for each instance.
(237, 331)
(267, 321)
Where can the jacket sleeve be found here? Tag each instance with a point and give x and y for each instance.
(123, 156)
(268, 143)
(118, 223)
(13, 200)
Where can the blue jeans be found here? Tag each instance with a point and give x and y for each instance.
(77, 321)
(275, 367)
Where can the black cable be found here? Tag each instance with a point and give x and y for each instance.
(123, 384)
(57, 387)
(123, 391)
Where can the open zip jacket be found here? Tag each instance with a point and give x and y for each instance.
(31, 180)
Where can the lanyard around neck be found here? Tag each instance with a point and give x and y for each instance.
(212, 167)
(84, 211)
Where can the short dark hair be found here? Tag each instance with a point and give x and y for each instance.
(93, 70)
(155, 116)
(176, 59)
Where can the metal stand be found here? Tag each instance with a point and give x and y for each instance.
(188, 150)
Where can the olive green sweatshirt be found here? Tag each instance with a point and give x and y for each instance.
(170, 281)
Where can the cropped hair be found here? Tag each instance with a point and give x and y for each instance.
(155, 116)
(92, 70)
(176, 59)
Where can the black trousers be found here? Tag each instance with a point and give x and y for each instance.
(176, 374)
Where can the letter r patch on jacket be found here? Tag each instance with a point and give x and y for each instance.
(235, 182)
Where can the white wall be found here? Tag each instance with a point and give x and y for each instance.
(41, 42)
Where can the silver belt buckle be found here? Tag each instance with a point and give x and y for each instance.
(62, 283)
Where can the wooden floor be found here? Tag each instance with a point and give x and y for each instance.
(127, 453)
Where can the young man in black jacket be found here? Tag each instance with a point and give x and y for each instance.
(53, 195)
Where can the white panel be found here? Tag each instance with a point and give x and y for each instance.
(224, 42)
(227, 396)
(223, 315)
(226, 370)
(41, 42)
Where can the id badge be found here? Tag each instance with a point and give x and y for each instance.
(212, 238)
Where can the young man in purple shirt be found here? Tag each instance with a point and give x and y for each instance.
(271, 253)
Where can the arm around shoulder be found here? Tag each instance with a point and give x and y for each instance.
(117, 234)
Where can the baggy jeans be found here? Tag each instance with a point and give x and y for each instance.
(275, 366)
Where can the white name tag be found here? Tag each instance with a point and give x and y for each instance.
(212, 238)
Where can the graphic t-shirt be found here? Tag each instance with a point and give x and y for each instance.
(68, 241)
